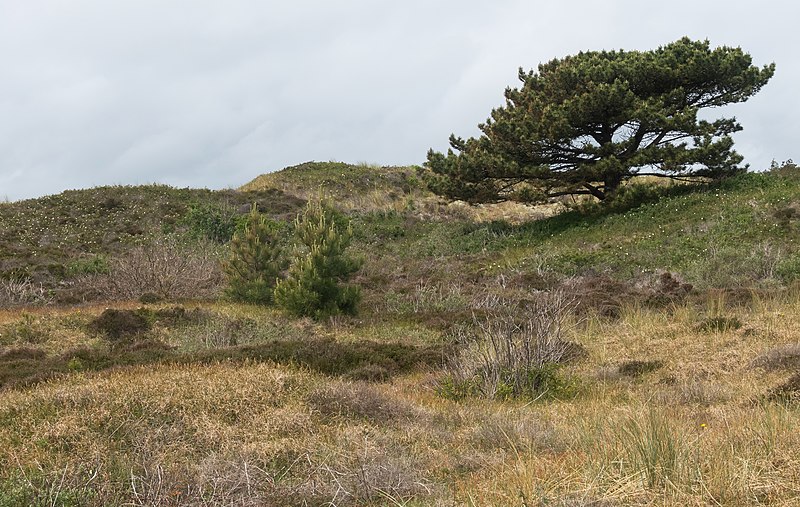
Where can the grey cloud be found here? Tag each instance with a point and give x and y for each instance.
(202, 93)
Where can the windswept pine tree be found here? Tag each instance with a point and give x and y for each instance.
(584, 124)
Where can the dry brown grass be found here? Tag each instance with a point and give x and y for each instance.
(700, 430)
(512, 212)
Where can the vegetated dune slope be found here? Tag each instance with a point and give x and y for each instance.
(678, 307)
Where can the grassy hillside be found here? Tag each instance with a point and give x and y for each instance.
(737, 236)
(662, 333)
(361, 186)
(50, 238)
(744, 231)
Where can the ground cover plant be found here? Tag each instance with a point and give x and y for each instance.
(712, 424)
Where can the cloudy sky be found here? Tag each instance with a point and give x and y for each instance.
(210, 94)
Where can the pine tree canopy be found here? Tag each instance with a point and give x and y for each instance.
(586, 123)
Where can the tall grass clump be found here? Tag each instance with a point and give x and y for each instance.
(512, 358)
(654, 450)
(314, 285)
(256, 260)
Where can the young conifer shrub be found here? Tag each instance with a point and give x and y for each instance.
(256, 261)
(314, 286)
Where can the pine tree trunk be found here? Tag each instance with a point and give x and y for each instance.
(611, 186)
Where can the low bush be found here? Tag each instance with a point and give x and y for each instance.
(165, 267)
(117, 325)
(638, 368)
(719, 324)
(21, 353)
(365, 360)
(783, 357)
(90, 265)
(511, 359)
(212, 221)
(20, 290)
(358, 400)
(123, 326)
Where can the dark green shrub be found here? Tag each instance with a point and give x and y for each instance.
(118, 325)
(545, 382)
(313, 286)
(256, 260)
(94, 265)
(150, 298)
(216, 222)
(638, 368)
(548, 382)
(788, 269)
(720, 324)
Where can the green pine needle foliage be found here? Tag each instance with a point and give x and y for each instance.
(585, 124)
(257, 260)
(314, 285)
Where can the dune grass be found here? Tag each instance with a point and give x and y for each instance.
(699, 430)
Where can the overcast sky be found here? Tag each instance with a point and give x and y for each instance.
(211, 94)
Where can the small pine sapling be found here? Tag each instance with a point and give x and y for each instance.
(257, 260)
(314, 286)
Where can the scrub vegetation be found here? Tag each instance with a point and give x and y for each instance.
(638, 352)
